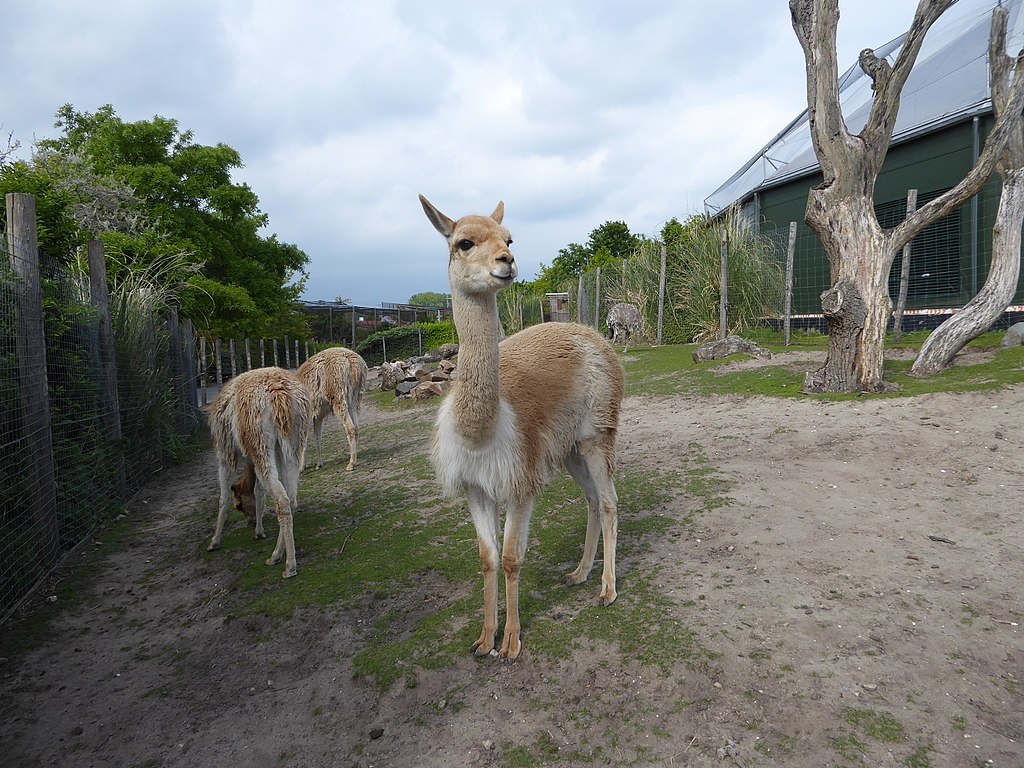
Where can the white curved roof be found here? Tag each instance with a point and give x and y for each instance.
(949, 84)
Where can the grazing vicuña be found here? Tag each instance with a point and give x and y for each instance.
(259, 423)
(335, 379)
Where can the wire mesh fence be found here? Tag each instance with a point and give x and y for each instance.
(94, 398)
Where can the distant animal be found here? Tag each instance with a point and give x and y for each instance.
(545, 397)
(259, 423)
(335, 379)
(624, 320)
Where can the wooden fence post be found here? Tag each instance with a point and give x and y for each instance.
(248, 354)
(220, 369)
(190, 368)
(597, 301)
(788, 309)
(275, 352)
(579, 300)
(723, 294)
(23, 248)
(108, 359)
(661, 292)
(263, 353)
(287, 353)
(202, 368)
(179, 368)
(231, 355)
(901, 302)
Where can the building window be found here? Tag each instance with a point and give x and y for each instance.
(935, 253)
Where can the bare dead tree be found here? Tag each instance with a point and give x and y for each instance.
(840, 210)
(995, 295)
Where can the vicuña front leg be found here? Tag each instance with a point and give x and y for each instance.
(484, 511)
(517, 532)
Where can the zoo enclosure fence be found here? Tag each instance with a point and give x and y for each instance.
(96, 395)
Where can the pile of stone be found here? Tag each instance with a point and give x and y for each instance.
(420, 378)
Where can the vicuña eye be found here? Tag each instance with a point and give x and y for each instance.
(465, 245)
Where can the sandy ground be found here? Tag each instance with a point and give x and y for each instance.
(867, 572)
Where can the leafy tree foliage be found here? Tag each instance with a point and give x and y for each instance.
(607, 243)
(171, 196)
(429, 299)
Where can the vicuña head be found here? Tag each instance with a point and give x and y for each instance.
(545, 397)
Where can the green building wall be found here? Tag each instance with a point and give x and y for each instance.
(930, 164)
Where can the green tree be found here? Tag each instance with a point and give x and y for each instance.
(429, 299)
(615, 238)
(569, 264)
(245, 283)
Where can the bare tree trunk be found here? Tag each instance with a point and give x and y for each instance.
(841, 209)
(943, 344)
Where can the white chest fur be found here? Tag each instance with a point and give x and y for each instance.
(490, 467)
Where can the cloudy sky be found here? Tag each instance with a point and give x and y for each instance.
(574, 113)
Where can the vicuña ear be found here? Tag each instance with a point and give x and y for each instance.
(499, 212)
(441, 223)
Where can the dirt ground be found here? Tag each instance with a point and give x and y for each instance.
(861, 595)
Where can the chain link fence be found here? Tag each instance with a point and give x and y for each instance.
(95, 396)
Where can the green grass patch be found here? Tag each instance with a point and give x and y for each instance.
(386, 543)
(879, 726)
(670, 370)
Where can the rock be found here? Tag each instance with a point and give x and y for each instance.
(404, 388)
(731, 345)
(376, 733)
(446, 365)
(390, 375)
(1014, 336)
(428, 389)
(488, 743)
(448, 351)
(420, 372)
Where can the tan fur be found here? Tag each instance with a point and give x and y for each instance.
(259, 423)
(546, 397)
(335, 378)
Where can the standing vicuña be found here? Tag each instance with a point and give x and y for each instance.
(259, 423)
(547, 396)
(624, 320)
(335, 378)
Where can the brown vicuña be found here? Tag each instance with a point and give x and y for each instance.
(335, 379)
(545, 397)
(259, 423)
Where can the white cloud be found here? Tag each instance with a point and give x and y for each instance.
(573, 113)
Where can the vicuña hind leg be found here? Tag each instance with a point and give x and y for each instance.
(318, 426)
(484, 511)
(268, 475)
(591, 466)
(225, 504)
(351, 432)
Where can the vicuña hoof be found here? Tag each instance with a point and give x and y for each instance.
(213, 547)
(289, 572)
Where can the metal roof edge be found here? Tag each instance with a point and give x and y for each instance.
(977, 109)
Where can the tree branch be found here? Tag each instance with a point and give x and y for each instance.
(815, 22)
(1007, 127)
(888, 82)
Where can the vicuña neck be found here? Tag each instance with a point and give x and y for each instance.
(475, 395)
